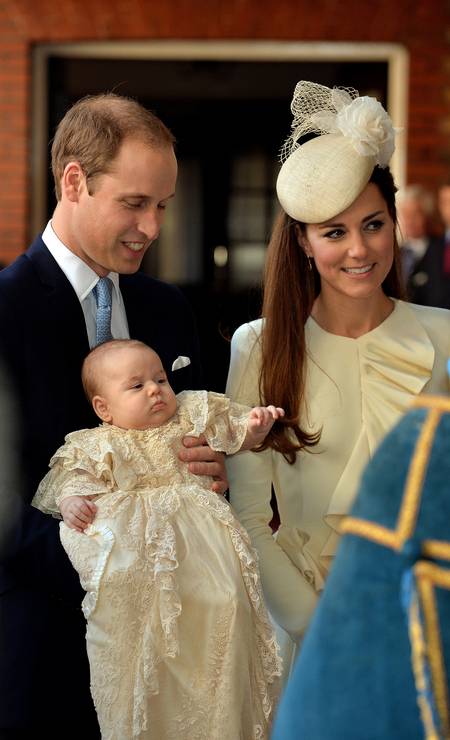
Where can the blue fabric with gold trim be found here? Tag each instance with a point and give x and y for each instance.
(375, 662)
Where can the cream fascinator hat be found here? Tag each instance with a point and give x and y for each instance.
(323, 176)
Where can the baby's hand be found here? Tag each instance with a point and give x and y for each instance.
(260, 422)
(261, 418)
(78, 511)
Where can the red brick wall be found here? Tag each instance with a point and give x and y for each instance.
(422, 26)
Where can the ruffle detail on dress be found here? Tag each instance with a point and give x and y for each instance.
(93, 454)
(194, 405)
(161, 542)
(226, 421)
(396, 361)
(61, 482)
(223, 422)
(162, 562)
(107, 539)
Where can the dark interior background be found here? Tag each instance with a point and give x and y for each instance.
(230, 119)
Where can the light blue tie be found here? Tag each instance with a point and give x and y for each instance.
(103, 293)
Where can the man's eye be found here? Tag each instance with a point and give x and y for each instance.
(131, 204)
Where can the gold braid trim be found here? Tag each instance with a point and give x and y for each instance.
(432, 402)
(406, 521)
(430, 575)
(369, 531)
(413, 490)
(436, 549)
(418, 653)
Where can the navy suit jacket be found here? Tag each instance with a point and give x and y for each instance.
(43, 341)
(428, 285)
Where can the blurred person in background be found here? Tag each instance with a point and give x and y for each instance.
(422, 252)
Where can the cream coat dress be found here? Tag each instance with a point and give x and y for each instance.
(179, 641)
(356, 389)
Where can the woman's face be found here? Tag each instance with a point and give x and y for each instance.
(353, 252)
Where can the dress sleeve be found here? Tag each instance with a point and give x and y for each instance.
(226, 424)
(81, 467)
(291, 600)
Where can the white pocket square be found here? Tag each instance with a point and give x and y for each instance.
(181, 362)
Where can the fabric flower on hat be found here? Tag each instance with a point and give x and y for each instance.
(364, 121)
(369, 127)
(340, 110)
(323, 175)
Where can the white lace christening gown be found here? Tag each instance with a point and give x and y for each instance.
(179, 641)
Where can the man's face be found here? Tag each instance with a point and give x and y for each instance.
(118, 215)
(412, 219)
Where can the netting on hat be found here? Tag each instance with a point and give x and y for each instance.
(339, 110)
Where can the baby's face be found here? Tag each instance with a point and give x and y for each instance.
(135, 389)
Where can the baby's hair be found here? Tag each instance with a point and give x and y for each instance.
(89, 370)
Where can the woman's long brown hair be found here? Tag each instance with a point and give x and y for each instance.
(291, 284)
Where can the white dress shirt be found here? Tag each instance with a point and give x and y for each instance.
(83, 279)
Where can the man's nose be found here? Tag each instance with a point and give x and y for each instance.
(150, 223)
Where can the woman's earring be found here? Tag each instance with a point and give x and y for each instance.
(309, 262)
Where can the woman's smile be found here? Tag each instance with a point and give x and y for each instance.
(359, 271)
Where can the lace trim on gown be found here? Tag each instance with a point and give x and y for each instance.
(162, 563)
(223, 422)
(123, 463)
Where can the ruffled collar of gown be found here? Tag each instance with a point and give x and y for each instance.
(396, 362)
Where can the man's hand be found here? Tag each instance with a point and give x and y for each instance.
(202, 460)
(78, 511)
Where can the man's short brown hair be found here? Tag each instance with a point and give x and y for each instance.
(94, 128)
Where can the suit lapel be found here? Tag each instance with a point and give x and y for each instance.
(62, 302)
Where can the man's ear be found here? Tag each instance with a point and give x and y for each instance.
(302, 240)
(101, 408)
(72, 181)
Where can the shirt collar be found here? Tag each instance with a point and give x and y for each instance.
(81, 277)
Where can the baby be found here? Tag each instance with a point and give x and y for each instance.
(179, 642)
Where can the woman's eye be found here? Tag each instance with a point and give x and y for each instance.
(334, 234)
(374, 225)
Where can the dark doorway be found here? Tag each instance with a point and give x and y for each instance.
(230, 119)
